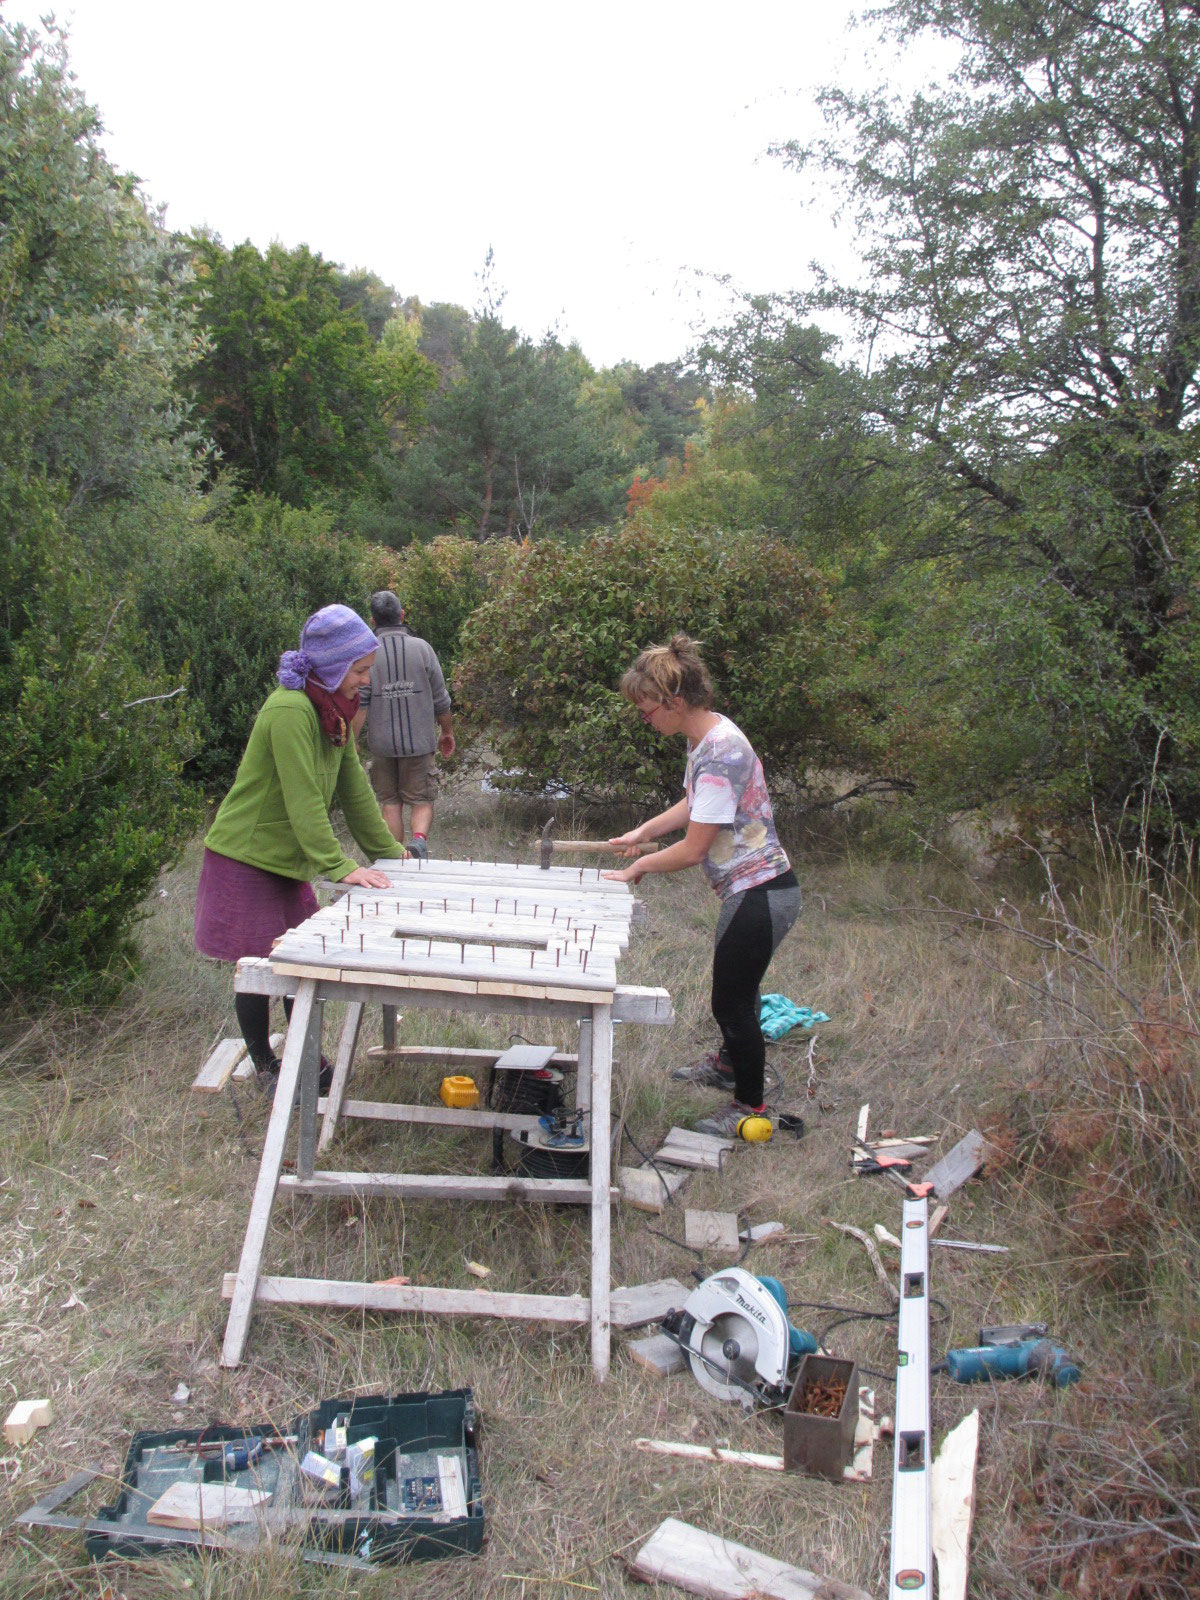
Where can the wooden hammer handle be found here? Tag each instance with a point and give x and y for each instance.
(601, 845)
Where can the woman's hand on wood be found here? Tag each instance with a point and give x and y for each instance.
(368, 878)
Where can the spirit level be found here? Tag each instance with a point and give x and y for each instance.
(912, 1552)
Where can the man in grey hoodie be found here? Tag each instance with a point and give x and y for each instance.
(408, 719)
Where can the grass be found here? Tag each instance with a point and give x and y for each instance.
(124, 1198)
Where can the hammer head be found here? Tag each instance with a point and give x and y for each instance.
(546, 848)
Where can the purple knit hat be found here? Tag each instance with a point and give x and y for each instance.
(331, 641)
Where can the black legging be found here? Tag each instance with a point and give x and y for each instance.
(254, 1019)
(746, 940)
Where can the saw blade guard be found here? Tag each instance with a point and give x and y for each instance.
(738, 1344)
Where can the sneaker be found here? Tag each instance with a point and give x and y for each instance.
(419, 849)
(268, 1077)
(724, 1124)
(709, 1071)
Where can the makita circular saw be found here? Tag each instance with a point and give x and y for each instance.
(734, 1330)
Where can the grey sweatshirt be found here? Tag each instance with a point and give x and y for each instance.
(405, 697)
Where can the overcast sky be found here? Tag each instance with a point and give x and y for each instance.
(613, 155)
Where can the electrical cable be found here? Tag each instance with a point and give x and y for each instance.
(650, 1162)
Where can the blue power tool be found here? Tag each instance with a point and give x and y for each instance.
(1031, 1358)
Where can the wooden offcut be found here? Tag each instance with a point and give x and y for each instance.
(952, 1497)
(657, 1354)
(719, 1569)
(24, 1420)
(649, 1188)
(963, 1162)
(711, 1230)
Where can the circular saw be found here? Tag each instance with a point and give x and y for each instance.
(736, 1337)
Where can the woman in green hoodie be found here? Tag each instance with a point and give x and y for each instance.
(272, 833)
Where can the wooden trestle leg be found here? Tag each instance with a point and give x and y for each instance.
(598, 1050)
(303, 1040)
(341, 1071)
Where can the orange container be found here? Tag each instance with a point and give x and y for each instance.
(459, 1092)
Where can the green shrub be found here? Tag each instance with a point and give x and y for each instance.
(92, 804)
(223, 599)
(441, 583)
(543, 653)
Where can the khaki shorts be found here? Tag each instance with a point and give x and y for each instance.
(407, 780)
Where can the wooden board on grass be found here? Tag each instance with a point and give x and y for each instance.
(648, 1189)
(711, 1230)
(963, 1162)
(705, 1564)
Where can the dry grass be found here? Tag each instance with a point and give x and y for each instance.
(127, 1195)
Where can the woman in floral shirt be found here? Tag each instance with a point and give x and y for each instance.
(730, 832)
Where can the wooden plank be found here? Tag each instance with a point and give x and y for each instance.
(452, 1056)
(953, 1170)
(678, 1155)
(350, 1296)
(430, 1186)
(952, 1500)
(648, 1190)
(242, 1299)
(246, 1069)
(718, 1569)
(310, 1071)
(435, 1115)
(599, 1060)
(635, 1003)
(864, 1114)
(711, 1230)
(716, 1454)
(218, 1069)
(631, 1002)
(690, 1139)
(646, 1302)
(507, 874)
(939, 1216)
(332, 1103)
(657, 1354)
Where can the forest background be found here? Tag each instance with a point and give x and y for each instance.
(947, 553)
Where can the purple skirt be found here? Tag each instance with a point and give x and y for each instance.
(241, 910)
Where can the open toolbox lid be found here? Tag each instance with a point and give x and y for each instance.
(423, 1500)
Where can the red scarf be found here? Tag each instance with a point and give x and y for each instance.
(335, 711)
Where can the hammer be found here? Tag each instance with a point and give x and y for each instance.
(549, 846)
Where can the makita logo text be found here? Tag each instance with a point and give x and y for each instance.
(754, 1311)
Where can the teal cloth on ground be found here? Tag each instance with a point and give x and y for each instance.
(779, 1015)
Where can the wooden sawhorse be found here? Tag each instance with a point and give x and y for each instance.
(301, 1065)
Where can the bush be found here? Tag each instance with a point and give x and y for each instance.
(543, 653)
(440, 584)
(91, 800)
(223, 599)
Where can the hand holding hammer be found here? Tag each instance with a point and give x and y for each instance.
(598, 846)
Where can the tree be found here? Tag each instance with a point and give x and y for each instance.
(287, 383)
(92, 335)
(92, 734)
(1029, 316)
(508, 446)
